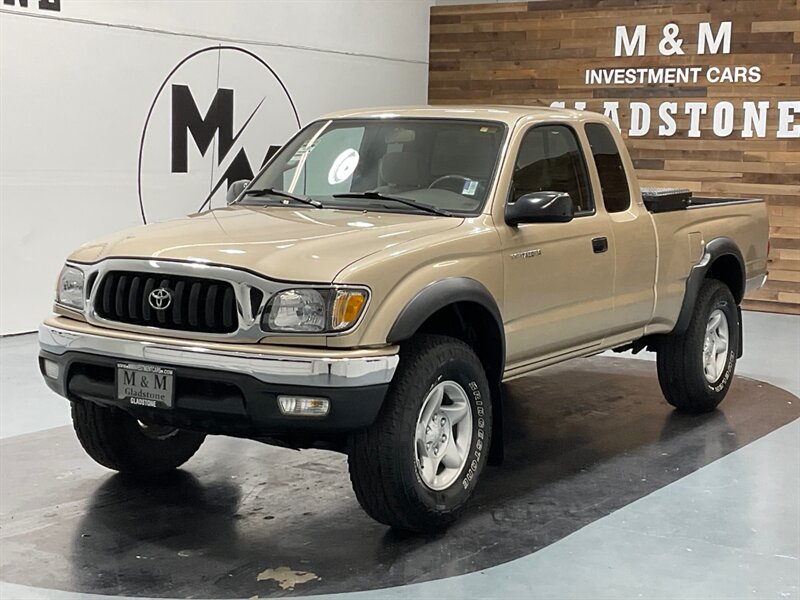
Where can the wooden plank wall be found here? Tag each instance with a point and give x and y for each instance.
(537, 53)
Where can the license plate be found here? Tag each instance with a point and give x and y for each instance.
(145, 385)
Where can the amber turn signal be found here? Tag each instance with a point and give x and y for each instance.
(347, 307)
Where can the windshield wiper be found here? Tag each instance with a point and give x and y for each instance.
(282, 194)
(374, 195)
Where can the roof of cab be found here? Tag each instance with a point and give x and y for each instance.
(505, 114)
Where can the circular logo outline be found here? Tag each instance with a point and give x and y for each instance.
(160, 298)
(164, 84)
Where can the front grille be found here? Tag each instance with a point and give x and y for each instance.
(203, 305)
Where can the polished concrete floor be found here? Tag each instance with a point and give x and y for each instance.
(606, 493)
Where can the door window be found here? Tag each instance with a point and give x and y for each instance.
(613, 179)
(550, 160)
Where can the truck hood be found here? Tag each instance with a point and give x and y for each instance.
(287, 243)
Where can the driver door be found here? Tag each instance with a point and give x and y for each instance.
(558, 276)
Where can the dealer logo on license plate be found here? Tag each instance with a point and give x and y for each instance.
(145, 385)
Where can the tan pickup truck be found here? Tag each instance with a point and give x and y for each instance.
(370, 290)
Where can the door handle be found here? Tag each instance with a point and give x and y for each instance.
(599, 245)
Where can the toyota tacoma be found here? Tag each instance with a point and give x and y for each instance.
(373, 286)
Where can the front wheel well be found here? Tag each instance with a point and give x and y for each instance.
(476, 326)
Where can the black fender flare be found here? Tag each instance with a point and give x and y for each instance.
(716, 248)
(435, 296)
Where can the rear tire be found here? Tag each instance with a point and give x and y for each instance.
(116, 440)
(695, 368)
(418, 464)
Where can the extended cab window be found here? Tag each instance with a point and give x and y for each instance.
(550, 160)
(613, 179)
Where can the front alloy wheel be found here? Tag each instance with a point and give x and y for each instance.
(418, 464)
(443, 435)
(119, 441)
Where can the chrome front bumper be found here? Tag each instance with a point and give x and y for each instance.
(314, 371)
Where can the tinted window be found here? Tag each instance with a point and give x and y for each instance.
(550, 160)
(613, 180)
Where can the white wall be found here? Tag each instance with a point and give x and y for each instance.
(76, 86)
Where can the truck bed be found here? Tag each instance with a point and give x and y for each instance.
(682, 235)
(659, 200)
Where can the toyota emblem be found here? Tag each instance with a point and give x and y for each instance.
(160, 298)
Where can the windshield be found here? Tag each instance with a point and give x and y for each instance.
(444, 164)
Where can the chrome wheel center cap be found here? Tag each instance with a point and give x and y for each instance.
(437, 433)
(708, 346)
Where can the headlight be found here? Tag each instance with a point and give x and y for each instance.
(313, 310)
(70, 287)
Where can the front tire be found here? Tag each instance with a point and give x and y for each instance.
(418, 464)
(695, 368)
(116, 440)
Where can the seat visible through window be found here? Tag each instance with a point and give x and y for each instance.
(550, 160)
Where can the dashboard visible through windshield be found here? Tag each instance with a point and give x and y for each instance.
(444, 165)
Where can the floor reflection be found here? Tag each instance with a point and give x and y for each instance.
(131, 525)
(583, 440)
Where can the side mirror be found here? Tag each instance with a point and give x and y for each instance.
(540, 207)
(235, 190)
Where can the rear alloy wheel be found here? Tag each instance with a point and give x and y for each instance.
(695, 367)
(418, 464)
(715, 347)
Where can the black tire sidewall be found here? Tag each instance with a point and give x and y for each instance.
(720, 299)
(160, 453)
(467, 373)
(114, 439)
